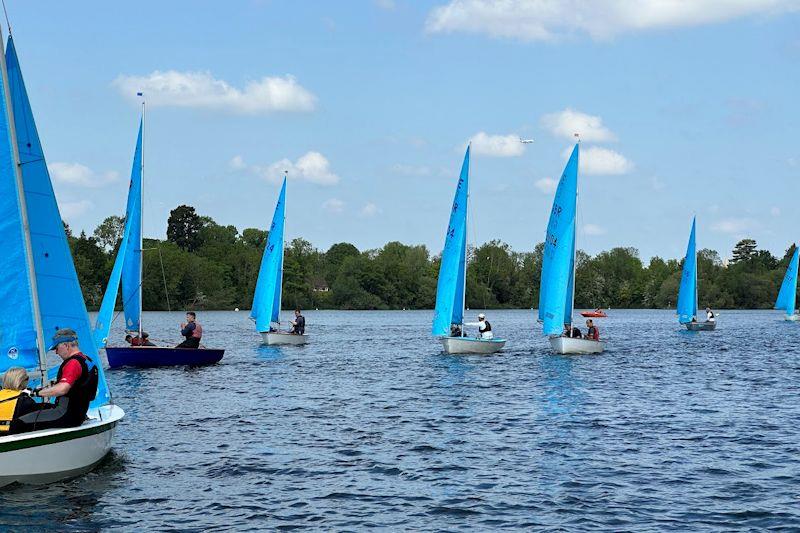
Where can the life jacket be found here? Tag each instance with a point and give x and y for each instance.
(487, 328)
(593, 333)
(8, 405)
(83, 391)
(197, 332)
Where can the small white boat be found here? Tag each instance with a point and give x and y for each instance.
(575, 346)
(50, 455)
(791, 318)
(472, 345)
(282, 337)
(702, 326)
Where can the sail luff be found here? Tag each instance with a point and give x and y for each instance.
(687, 293)
(787, 296)
(141, 217)
(23, 208)
(453, 260)
(269, 276)
(132, 265)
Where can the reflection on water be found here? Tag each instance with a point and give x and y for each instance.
(372, 426)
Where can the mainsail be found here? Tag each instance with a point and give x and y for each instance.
(556, 290)
(687, 294)
(127, 265)
(267, 298)
(452, 270)
(787, 296)
(60, 299)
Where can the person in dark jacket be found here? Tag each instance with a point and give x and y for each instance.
(298, 324)
(192, 330)
(15, 400)
(592, 333)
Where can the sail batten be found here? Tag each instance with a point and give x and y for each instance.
(687, 293)
(452, 270)
(60, 298)
(787, 296)
(556, 294)
(267, 298)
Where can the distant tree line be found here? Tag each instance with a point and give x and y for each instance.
(202, 265)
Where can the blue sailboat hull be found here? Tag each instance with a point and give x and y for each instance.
(153, 356)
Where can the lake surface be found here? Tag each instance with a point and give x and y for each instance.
(371, 425)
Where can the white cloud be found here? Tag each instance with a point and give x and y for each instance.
(496, 145)
(80, 175)
(333, 205)
(201, 90)
(548, 20)
(411, 170)
(370, 210)
(547, 185)
(569, 122)
(70, 210)
(733, 226)
(313, 167)
(775, 211)
(237, 163)
(593, 229)
(601, 161)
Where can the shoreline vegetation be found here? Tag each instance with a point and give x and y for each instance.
(207, 266)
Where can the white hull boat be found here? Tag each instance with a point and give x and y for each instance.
(701, 326)
(50, 455)
(791, 318)
(282, 337)
(575, 346)
(472, 345)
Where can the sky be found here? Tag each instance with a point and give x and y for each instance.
(684, 108)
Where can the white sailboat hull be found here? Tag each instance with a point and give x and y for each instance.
(472, 345)
(701, 326)
(47, 456)
(282, 337)
(575, 346)
(791, 318)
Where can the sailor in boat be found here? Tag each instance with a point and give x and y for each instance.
(571, 331)
(298, 324)
(592, 333)
(74, 389)
(455, 330)
(137, 341)
(15, 400)
(192, 330)
(484, 327)
(710, 316)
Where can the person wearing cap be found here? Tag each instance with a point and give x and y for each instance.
(484, 327)
(74, 389)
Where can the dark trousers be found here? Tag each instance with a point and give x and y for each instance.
(190, 342)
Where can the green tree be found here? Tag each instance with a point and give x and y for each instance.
(183, 227)
(109, 233)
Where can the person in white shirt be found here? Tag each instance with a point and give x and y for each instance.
(710, 316)
(484, 327)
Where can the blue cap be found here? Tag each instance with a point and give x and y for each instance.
(58, 339)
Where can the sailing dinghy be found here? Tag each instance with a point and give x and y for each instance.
(128, 270)
(787, 296)
(557, 288)
(687, 293)
(266, 307)
(451, 286)
(40, 293)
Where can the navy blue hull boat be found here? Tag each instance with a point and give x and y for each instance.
(152, 356)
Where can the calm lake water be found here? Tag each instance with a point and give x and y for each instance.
(371, 425)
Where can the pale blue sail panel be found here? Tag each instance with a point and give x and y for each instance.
(687, 293)
(17, 328)
(449, 288)
(132, 265)
(105, 316)
(787, 296)
(555, 293)
(266, 300)
(60, 299)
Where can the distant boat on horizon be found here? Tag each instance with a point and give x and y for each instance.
(448, 315)
(557, 285)
(787, 296)
(687, 293)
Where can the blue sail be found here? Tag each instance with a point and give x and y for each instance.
(787, 296)
(267, 298)
(60, 298)
(558, 259)
(687, 294)
(452, 270)
(17, 324)
(132, 265)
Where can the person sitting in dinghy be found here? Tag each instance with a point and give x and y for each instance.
(192, 330)
(455, 330)
(298, 324)
(592, 333)
(710, 316)
(136, 341)
(484, 327)
(15, 400)
(74, 389)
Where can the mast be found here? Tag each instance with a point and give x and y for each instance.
(575, 238)
(23, 212)
(466, 217)
(283, 248)
(141, 220)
